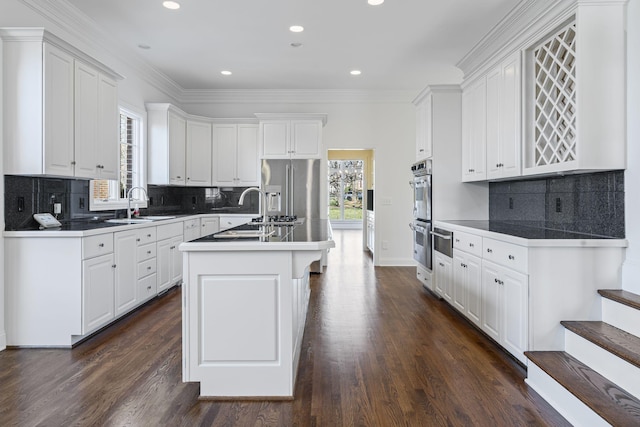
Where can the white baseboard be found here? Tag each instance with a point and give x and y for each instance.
(3, 340)
(396, 262)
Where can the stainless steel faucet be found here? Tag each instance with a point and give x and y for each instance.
(146, 196)
(264, 200)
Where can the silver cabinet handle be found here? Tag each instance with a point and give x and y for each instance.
(101, 245)
(489, 250)
(442, 236)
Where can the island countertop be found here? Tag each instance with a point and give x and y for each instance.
(311, 234)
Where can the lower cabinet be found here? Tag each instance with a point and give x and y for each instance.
(466, 289)
(230, 221)
(505, 307)
(209, 225)
(169, 257)
(97, 292)
(371, 233)
(191, 229)
(443, 272)
(125, 252)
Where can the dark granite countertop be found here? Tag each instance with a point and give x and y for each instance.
(311, 230)
(523, 230)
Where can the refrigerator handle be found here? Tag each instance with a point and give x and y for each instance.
(292, 192)
(288, 189)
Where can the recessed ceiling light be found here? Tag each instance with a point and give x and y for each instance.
(144, 46)
(355, 72)
(296, 28)
(226, 73)
(173, 5)
(375, 2)
(296, 44)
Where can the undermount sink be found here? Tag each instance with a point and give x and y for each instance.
(127, 221)
(232, 234)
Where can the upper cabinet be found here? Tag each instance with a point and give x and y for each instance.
(235, 155)
(61, 108)
(198, 153)
(424, 126)
(291, 136)
(167, 142)
(554, 86)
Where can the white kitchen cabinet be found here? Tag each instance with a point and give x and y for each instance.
(191, 229)
(169, 258)
(443, 272)
(371, 231)
(59, 107)
(235, 155)
(474, 136)
(96, 124)
(97, 292)
(466, 285)
(167, 133)
(209, 225)
(424, 126)
(503, 119)
(198, 153)
(125, 253)
(291, 137)
(505, 307)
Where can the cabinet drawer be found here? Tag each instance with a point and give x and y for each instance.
(467, 242)
(169, 230)
(147, 287)
(94, 246)
(146, 252)
(146, 235)
(146, 267)
(191, 224)
(507, 254)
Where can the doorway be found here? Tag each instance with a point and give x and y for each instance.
(350, 174)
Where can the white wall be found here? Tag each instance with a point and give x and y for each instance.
(3, 334)
(386, 127)
(631, 268)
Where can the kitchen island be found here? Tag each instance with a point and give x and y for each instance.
(245, 297)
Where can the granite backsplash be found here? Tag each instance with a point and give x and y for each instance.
(587, 203)
(26, 195)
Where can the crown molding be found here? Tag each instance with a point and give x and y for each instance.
(293, 116)
(80, 26)
(516, 31)
(315, 96)
(436, 89)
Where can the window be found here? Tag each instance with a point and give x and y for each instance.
(111, 194)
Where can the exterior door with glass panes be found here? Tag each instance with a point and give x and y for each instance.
(346, 189)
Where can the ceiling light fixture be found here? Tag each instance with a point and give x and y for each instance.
(375, 2)
(296, 44)
(144, 46)
(296, 28)
(173, 5)
(226, 73)
(355, 72)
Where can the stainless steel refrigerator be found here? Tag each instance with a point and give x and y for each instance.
(295, 185)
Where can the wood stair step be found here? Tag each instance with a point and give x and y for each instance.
(616, 341)
(623, 297)
(613, 404)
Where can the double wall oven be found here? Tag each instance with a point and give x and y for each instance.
(421, 224)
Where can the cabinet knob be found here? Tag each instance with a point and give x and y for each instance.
(457, 240)
(148, 252)
(101, 245)
(113, 266)
(148, 288)
(495, 280)
(512, 257)
(471, 245)
(73, 163)
(441, 264)
(489, 250)
(178, 177)
(422, 150)
(149, 268)
(138, 239)
(172, 247)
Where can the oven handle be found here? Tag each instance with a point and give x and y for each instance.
(442, 236)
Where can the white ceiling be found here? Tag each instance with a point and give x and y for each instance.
(400, 45)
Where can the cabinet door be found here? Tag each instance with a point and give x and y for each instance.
(177, 149)
(510, 117)
(164, 264)
(474, 132)
(97, 292)
(515, 291)
(176, 260)
(209, 226)
(126, 274)
(424, 134)
(443, 274)
(306, 139)
(198, 154)
(86, 121)
(473, 286)
(248, 164)
(491, 300)
(458, 291)
(225, 155)
(494, 82)
(58, 112)
(108, 127)
(275, 136)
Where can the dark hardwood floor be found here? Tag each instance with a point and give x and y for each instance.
(377, 351)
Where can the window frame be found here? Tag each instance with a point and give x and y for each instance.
(139, 178)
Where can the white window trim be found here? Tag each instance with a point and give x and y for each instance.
(141, 118)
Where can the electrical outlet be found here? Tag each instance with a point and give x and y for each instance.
(57, 208)
(385, 245)
(558, 204)
(20, 203)
(81, 203)
(386, 201)
(510, 202)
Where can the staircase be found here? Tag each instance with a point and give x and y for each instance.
(596, 380)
